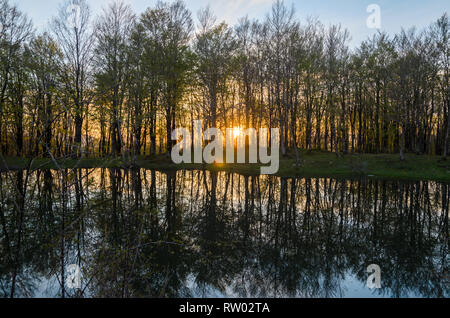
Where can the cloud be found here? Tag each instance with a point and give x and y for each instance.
(232, 10)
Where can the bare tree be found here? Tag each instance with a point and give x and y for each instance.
(73, 32)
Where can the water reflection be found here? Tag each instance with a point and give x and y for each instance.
(140, 233)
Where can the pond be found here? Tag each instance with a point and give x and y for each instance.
(142, 233)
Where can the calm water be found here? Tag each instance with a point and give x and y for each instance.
(200, 234)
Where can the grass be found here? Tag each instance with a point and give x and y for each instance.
(315, 164)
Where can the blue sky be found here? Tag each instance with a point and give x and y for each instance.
(351, 14)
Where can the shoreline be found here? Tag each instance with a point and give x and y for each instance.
(314, 165)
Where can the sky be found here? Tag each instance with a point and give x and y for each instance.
(351, 14)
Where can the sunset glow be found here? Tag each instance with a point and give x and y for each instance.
(237, 131)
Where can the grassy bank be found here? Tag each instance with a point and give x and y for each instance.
(315, 164)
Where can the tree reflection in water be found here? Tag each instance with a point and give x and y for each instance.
(140, 233)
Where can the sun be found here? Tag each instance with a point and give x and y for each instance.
(237, 132)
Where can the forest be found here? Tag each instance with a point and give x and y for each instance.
(118, 84)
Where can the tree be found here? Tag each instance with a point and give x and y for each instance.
(214, 48)
(73, 32)
(169, 28)
(137, 85)
(280, 24)
(336, 67)
(15, 30)
(112, 38)
(46, 55)
(441, 34)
